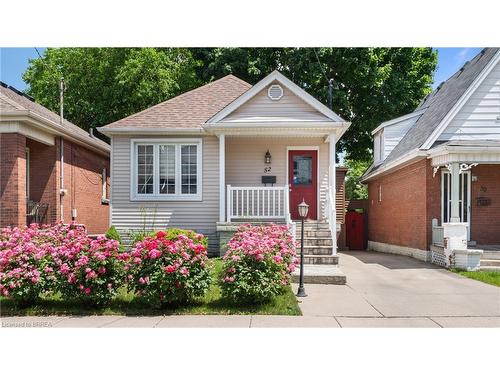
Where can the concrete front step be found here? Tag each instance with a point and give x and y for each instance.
(311, 241)
(320, 274)
(320, 233)
(490, 254)
(321, 259)
(490, 262)
(316, 250)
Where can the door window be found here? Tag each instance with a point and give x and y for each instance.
(302, 170)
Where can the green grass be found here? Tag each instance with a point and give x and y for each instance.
(127, 303)
(489, 277)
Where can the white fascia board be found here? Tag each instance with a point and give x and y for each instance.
(399, 163)
(398, 119)
(259, 86)
(449, 149)
(159, 131)
(460, 103)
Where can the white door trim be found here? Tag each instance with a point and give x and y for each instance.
(469, 202)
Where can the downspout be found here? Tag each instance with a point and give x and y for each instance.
(62, 192)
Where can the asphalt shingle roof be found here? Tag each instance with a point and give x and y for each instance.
(12, 101)
(438, 104)
(189, 110)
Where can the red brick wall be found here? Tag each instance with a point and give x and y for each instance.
(485, 220)
(12, 179)
(43, 172)
(82, 179)
(401, 216)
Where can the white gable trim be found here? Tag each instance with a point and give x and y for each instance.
(460, 103)
(259, 86)
(398, 119)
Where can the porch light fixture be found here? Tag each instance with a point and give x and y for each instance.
(267, 157)
(303, 211)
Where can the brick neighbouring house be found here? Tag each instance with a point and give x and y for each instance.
(434, 186)
(31, 139)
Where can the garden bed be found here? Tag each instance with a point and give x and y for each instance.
(126, 303)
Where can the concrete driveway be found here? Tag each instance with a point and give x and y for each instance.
(394, 290)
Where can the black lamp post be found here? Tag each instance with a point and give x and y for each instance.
(303, 210)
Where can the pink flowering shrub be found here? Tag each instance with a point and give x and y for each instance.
(170, 266)
(63, 258)
(89, 270)
(258, 263)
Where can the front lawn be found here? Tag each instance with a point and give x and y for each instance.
(126, 303)
(489, 277)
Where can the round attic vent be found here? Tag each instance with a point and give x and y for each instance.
(275, 92)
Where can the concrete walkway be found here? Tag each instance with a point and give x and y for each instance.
(382, 291)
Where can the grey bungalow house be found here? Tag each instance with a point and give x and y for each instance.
(228, 152)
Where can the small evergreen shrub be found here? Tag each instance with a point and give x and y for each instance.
(112, 234)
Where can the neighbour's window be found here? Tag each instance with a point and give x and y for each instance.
(167, 170)
(104, 191)
(380, 193)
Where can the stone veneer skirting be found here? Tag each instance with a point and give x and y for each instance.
(400, 250)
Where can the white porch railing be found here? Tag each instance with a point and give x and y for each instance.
(437, 233)
(257, 202)
(331, 216)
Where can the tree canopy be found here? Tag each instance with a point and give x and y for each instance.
(105, 84)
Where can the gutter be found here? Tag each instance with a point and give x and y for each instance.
(396, 164)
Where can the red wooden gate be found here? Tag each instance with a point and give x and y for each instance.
(355, 230)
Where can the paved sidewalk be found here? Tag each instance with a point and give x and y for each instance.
(382, 291)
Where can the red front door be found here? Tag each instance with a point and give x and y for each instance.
(303, 180)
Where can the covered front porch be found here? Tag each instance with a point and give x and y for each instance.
(468, 173)
(263, 179)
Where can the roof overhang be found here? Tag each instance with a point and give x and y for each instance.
(452, 152)
(399, 119)
(396, 164)
(151, 130)
(41, 124)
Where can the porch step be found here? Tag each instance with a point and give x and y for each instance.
(321, 259)
(320, 274)
(317, 241)
(490, 262)
(316, 250)
(490, 254)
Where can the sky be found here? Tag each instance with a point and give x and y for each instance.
(14, 61)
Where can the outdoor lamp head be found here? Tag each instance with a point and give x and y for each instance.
(303, 209)
(268, 157)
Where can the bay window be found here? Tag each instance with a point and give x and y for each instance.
(166, 170)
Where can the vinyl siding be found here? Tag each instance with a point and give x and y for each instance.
(289, 108)
(394, 133)
(478, 118)
(196, 215)
(245, 161)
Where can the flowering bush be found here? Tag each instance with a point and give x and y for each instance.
(170, 266)
(61, 258)
(258, 263)
(90, 270)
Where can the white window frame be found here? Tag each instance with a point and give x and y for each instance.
(156, 196)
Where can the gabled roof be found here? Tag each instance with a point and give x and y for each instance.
(16, 103)
(439, 105)
(186, 111)
(441, 101)
(275, 76)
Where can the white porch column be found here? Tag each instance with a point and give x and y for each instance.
(222, 178)
(332, 174)
(455, 193)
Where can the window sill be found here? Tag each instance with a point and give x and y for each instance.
(105, 201)
(156, 198)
